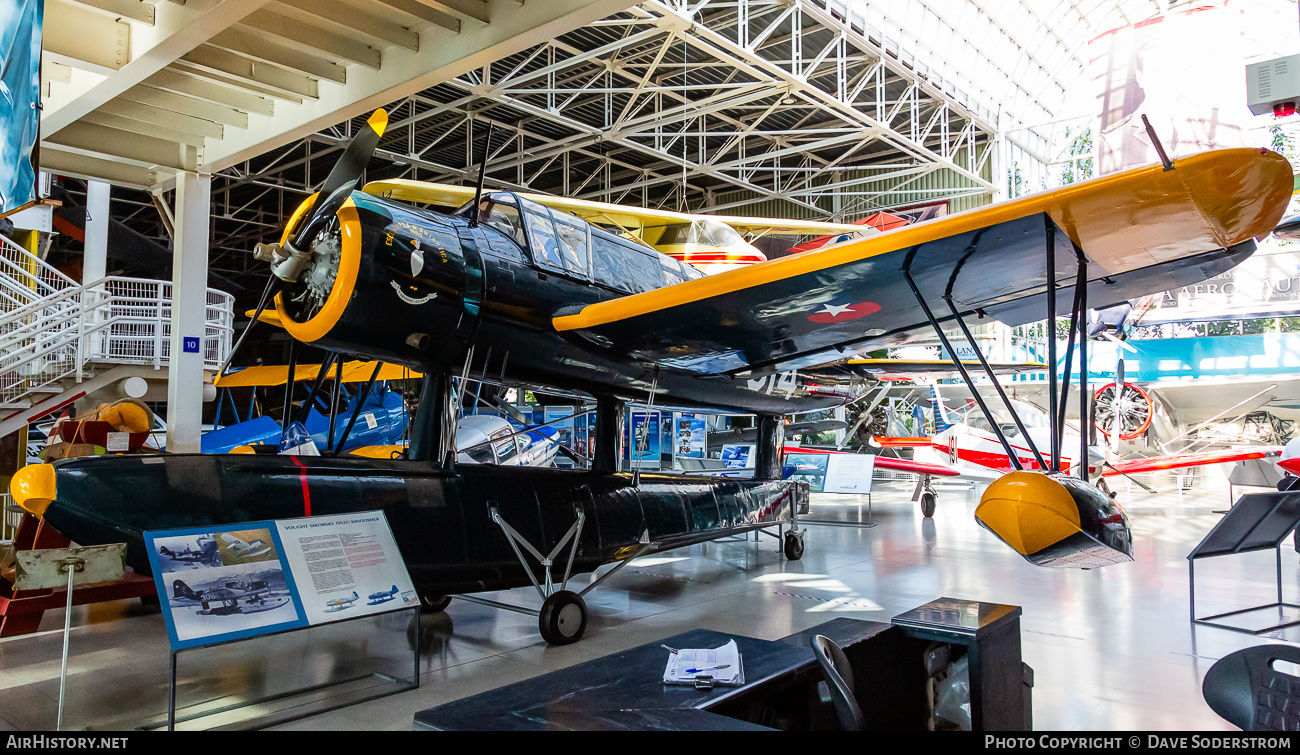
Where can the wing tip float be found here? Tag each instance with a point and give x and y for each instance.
(1212, 200)
(1055, 520)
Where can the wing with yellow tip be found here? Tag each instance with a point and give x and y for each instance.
(1139, 232)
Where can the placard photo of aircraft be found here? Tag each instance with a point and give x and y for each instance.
(376, 598)
(189, 553)
(229, 599)
(341, 604)
(246, 547)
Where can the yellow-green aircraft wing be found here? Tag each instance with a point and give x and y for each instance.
(631, 219)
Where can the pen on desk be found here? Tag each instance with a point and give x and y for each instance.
(706, 668)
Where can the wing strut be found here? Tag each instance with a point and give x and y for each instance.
(988, 370)
(356, 411)
(1051, 342)
(1011, 453)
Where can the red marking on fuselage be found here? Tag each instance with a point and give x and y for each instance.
(306, 492)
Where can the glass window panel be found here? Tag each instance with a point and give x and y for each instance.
(573, 242)
(541, 235)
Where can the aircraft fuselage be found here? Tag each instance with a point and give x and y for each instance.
(410, 286)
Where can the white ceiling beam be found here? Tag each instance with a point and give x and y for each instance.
(441, 57)
(465, 10)
(64, 163)
(111, 142)
(425, 13)
(136, 10)
(266, 51)
(163, 117)
(178, 103)
(86, 38)
(240, 68)
(345, 19)
(216, 77)
(111, 120)
(177, 30)
(180, 82)
(311, 39)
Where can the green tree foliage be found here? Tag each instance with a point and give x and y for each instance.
(1076, 169)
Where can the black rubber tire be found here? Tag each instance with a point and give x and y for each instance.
(793, 546)
(558, 622)
(434, 603)
(927, 504)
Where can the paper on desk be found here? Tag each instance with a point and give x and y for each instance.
(706, 660)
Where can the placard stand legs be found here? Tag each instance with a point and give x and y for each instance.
(390, 685)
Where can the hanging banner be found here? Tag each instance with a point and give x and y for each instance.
(1157, 66)
(20, 99)
(1267, 284)
(228, 583)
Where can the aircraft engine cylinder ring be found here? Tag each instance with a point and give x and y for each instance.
(1135, 405)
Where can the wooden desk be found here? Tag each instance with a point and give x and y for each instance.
(625, 691)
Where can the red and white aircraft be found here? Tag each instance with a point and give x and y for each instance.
(968, 447)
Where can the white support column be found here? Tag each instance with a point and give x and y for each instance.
(189, 298)
(94, 264)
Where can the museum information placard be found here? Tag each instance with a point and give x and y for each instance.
(236, 581)
(850, 473)
(345, 565)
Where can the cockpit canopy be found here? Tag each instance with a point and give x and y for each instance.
(571, 246)
(1032, 416)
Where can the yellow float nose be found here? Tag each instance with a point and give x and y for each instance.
(33, 488)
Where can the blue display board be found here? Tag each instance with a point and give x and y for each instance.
(691, 436)
(211, 594)
(223, 583)
(643, 445)
(20, 99)
(809, 468)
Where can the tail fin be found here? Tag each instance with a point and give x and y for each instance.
(182, 590)
(394, 588)
(165, 551)
(942, 421)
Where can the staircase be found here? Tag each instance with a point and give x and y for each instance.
(56, 332)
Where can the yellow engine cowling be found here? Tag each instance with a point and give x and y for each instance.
(1056, 520)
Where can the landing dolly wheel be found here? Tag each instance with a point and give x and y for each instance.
(563, 618)
(794, 545)
(927, 504)
(434, 603)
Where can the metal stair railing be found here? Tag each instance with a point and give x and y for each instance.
(53, 329)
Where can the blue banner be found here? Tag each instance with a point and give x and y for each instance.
(1191, 358)
(20, 97)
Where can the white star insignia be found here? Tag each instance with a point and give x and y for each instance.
(835, 310)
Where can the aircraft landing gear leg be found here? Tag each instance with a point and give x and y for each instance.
(563, 616)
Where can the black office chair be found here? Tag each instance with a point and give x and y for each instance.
(838, 687)
(1245, 689)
